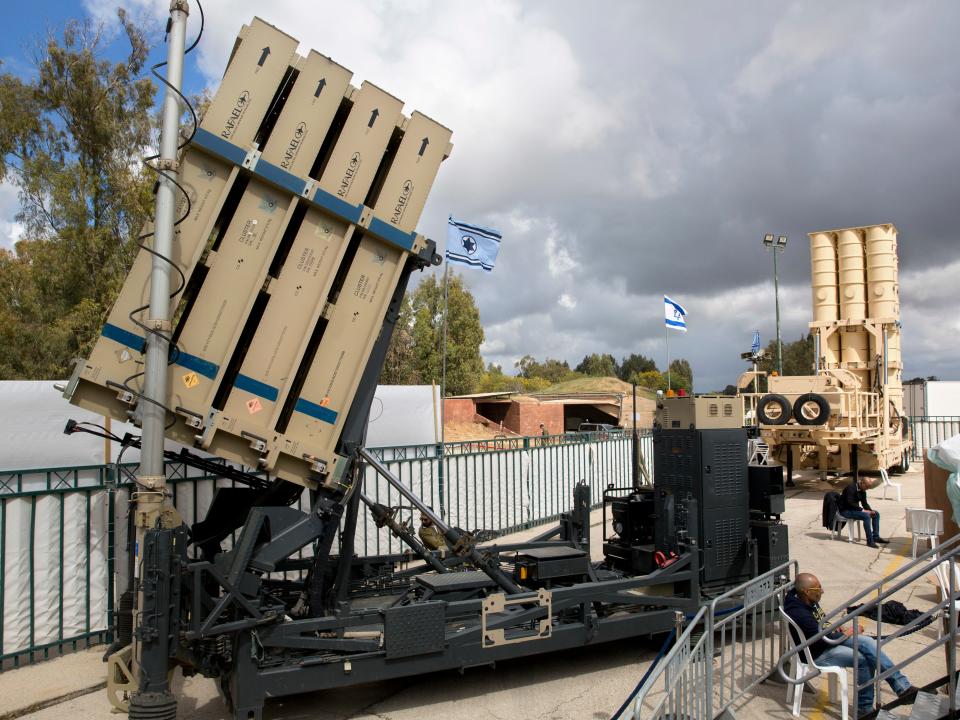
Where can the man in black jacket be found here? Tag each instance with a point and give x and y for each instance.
(802, 604)
(852, 498)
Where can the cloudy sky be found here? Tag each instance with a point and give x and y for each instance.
(631, 149)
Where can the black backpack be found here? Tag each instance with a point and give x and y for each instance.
(831, 503)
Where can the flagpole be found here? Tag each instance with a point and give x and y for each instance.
(666, 337)
(443, 371)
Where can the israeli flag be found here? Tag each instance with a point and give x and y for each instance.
(472, 245)
(674, 315)
(755, 348)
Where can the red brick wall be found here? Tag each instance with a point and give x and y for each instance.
(522, 418)
(530, 415)
(459, 410)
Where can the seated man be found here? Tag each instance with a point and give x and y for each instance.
(802, 604)
(853, 496)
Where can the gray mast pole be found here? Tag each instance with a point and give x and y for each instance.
(666, 338)
(155, 366)
(150, 664)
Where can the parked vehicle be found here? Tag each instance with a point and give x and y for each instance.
(599, 431)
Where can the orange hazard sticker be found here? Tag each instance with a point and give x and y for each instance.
(325, 401)
(191, 380)
(254, 405)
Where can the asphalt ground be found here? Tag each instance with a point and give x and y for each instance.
(577, 684)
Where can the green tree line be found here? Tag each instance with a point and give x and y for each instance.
(71, 137)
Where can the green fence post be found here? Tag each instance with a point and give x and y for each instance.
(440, 474)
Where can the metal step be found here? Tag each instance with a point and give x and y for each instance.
(928, 706)
(888, 715)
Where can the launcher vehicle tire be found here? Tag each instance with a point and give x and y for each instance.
(773, 409)
(811, 409)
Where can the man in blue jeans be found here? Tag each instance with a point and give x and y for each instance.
(852, 498)
(802, 604)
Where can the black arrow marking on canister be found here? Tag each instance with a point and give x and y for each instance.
(320, 86)
(263, 56)
(373, 117)
(423, 146)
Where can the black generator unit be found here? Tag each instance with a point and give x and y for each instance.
(632, 516)
(772, 542)
(704, 473)
(632, 520)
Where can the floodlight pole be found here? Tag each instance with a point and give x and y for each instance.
(153, 698)
(776, 302)
(776, 245)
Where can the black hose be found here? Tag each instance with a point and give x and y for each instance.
(636, 690)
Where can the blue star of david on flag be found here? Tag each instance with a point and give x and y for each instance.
(471, 245)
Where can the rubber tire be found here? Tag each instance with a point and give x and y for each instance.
(904, 464)
(822, 405)
(775, 399)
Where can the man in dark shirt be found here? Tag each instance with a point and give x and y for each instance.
(802, 604)
(852, 498)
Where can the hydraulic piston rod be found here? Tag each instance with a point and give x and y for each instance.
(457, 541)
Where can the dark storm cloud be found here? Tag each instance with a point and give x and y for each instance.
(729, 145)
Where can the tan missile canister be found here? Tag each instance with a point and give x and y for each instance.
(826, 303)
(854, 344)
(881, 252)
(237, 112)
(884, 301)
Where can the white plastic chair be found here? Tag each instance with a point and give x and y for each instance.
(840, 523)
(924, 525)
(758, 452)
(942, 571)
(835, 674)
(887, 484)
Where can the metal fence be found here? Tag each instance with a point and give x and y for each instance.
(930, 431)
(726, 650)
(502, 485)
(64, 539)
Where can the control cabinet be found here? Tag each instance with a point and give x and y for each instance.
(705, 473)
